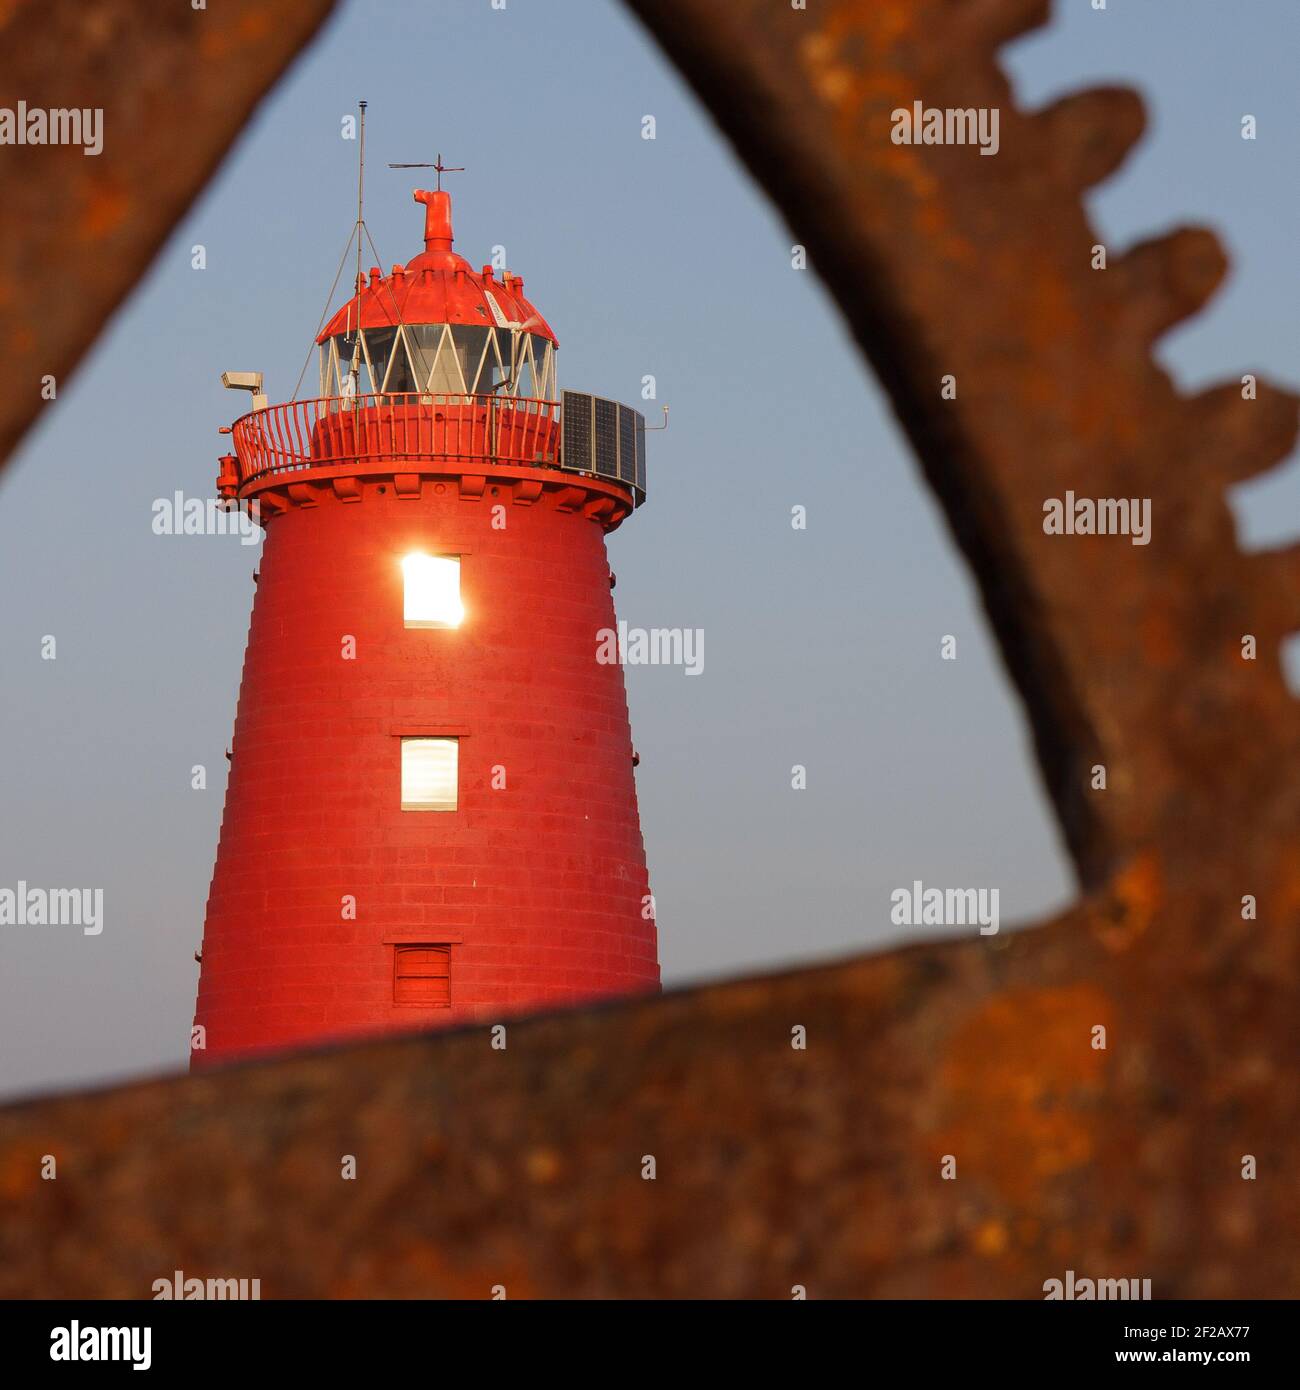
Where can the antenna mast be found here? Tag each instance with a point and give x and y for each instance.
(354, 371)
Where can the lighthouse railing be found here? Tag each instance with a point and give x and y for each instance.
(415, 426)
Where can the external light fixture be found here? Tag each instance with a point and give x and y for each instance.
(246, 381)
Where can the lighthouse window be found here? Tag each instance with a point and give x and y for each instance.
(471, 344)
(431, 591)
(525, 382)
(430, 774)
(433, 370)
(422, 976)
(543, 362)
(379, 348)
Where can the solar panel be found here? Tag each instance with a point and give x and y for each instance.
(640, 459)
(606, 437)
(575, 418)
(601, 436)
(627, 418)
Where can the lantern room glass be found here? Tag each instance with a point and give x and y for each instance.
(441, 359)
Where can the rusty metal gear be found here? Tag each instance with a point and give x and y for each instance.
(823, 1167)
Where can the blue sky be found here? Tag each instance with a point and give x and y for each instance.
(647, 257)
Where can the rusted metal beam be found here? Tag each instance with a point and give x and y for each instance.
(174, 86)
(774, 1167)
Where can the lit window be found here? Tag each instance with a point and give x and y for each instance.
(422, 976)
(429, 773)
(431, 591)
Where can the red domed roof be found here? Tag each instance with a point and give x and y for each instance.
(439, 286)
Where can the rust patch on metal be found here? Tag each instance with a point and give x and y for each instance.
(819, 1166)
(1022, 1082)
(79, 230)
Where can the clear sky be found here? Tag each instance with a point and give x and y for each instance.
(647, 257)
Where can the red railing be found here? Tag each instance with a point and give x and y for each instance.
(419, 427)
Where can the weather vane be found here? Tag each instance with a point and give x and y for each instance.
(437, 164)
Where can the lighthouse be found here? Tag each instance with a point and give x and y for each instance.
(431, 813)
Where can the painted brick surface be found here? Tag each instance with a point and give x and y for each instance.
(538, 886)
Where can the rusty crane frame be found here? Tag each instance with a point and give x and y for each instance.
(818, 1167)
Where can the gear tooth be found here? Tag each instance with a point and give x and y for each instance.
(1001, 20)
(1278, 573)
(1170, 277)
(1230, 438)
(1090, 133)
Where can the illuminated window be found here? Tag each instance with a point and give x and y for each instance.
(422, 976)
(429, 773)
(431, 591)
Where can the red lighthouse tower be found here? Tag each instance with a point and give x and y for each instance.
(431, 814)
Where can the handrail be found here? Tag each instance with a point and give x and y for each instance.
(416, 426)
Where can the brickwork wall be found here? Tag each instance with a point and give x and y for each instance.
(539, 886)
